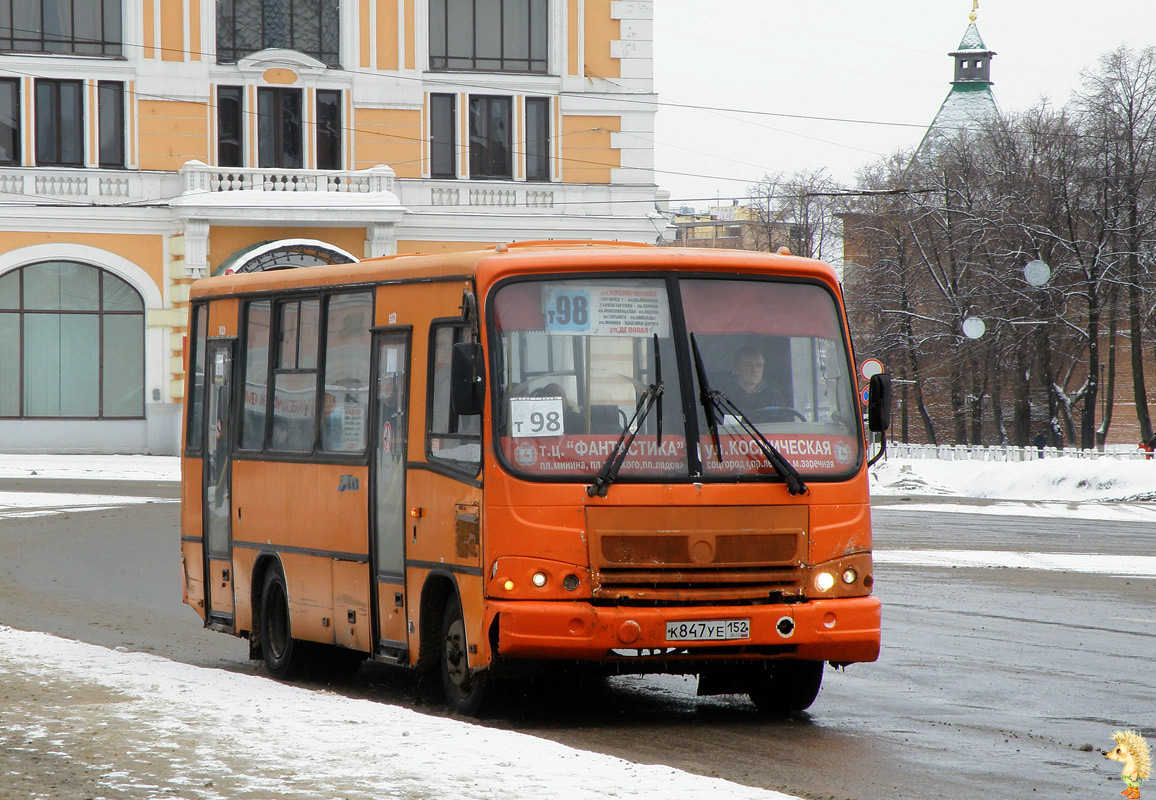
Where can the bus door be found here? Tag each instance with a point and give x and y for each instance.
(388, 512)
(218, 504)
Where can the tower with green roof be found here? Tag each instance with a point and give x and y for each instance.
(970, 102)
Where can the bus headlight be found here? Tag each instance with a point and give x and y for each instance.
(850, 576)
(539, 579)
(824, 581)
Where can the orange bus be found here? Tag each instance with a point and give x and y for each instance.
(630, 458)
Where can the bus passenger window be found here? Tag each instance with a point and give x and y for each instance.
(295, 376)
(194, 436)
(345, 401)
(256, 375)
(454, 438)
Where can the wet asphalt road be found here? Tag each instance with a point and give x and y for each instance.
(991, 681)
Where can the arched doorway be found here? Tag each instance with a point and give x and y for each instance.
(77, 343)
(284, 253)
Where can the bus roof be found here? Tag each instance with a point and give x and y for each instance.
(490, 264)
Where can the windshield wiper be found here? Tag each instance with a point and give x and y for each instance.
(715, 400)
(613, 463)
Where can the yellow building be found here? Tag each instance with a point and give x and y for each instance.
(147, 143)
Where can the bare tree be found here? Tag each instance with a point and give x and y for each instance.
(1118, 106)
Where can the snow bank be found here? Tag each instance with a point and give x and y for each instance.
(206, 734)
(89, 467)
(1065, 479)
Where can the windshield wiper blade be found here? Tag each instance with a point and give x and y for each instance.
(783, 467)
(613, 463)
(708, 404)
(658, 382)
(715, 400)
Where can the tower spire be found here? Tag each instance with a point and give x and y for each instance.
(974, 8)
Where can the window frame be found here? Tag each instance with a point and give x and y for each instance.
(277, 124)
(195, 402)
(101, 313)
(110, 95)
(277, 301)
(109, 44)
(18, 123)
(278, 367)
(536, 61)
(484, 157)
(453, 466)
(438, 140)
(328, 13)
(233, 94)
(328, 130)
(57, 133)
(687, 377)
(538, 161)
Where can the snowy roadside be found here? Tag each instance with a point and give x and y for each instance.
(102, 723)
(141, 726)
(1053, 480)
(90, 467)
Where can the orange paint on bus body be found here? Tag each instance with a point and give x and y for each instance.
(334, 491)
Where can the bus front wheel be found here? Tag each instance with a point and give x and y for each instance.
(786, 687)
(282, 653)
(463, 690)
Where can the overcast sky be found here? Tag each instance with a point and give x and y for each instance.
(882, 61)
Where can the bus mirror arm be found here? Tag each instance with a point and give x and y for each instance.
(467, 379)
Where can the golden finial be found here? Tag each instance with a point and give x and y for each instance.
(974, 8)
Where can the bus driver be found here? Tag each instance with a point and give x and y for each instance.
(745, 386)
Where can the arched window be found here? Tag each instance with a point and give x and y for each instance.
(71, 343)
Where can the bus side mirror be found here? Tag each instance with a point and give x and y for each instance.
(879, 402)
(467, 379)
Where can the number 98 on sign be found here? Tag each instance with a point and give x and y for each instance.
(536, 416)
(567, 311)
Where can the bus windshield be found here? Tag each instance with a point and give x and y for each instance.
(575, 355)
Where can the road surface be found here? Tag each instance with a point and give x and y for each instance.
(991, 681)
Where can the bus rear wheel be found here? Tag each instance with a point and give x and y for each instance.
(284, 655)
(786, 687)
(463, 690)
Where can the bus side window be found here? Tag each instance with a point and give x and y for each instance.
(345, 398)
(256, 370)
(295, 375)
(453, 438)
(195, 433)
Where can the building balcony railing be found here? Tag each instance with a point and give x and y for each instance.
(85, 186)
(198, 177)
(198, 184)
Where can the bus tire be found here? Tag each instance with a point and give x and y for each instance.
(463, 691)
(786, 687)
(284, 656)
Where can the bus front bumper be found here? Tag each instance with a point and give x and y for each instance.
(840, 630)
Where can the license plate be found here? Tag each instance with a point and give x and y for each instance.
(708, 630)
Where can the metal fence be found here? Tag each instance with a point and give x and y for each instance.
(1000, 453)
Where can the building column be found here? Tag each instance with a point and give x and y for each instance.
(380, 239)
(196, 248)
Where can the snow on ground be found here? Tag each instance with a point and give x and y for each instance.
(1105, 489)
(91, 467)
(42, 504)
(80, 467)
(223, 735)
(1065, 480)
(205, 734)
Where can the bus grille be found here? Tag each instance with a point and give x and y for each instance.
(697, 555)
